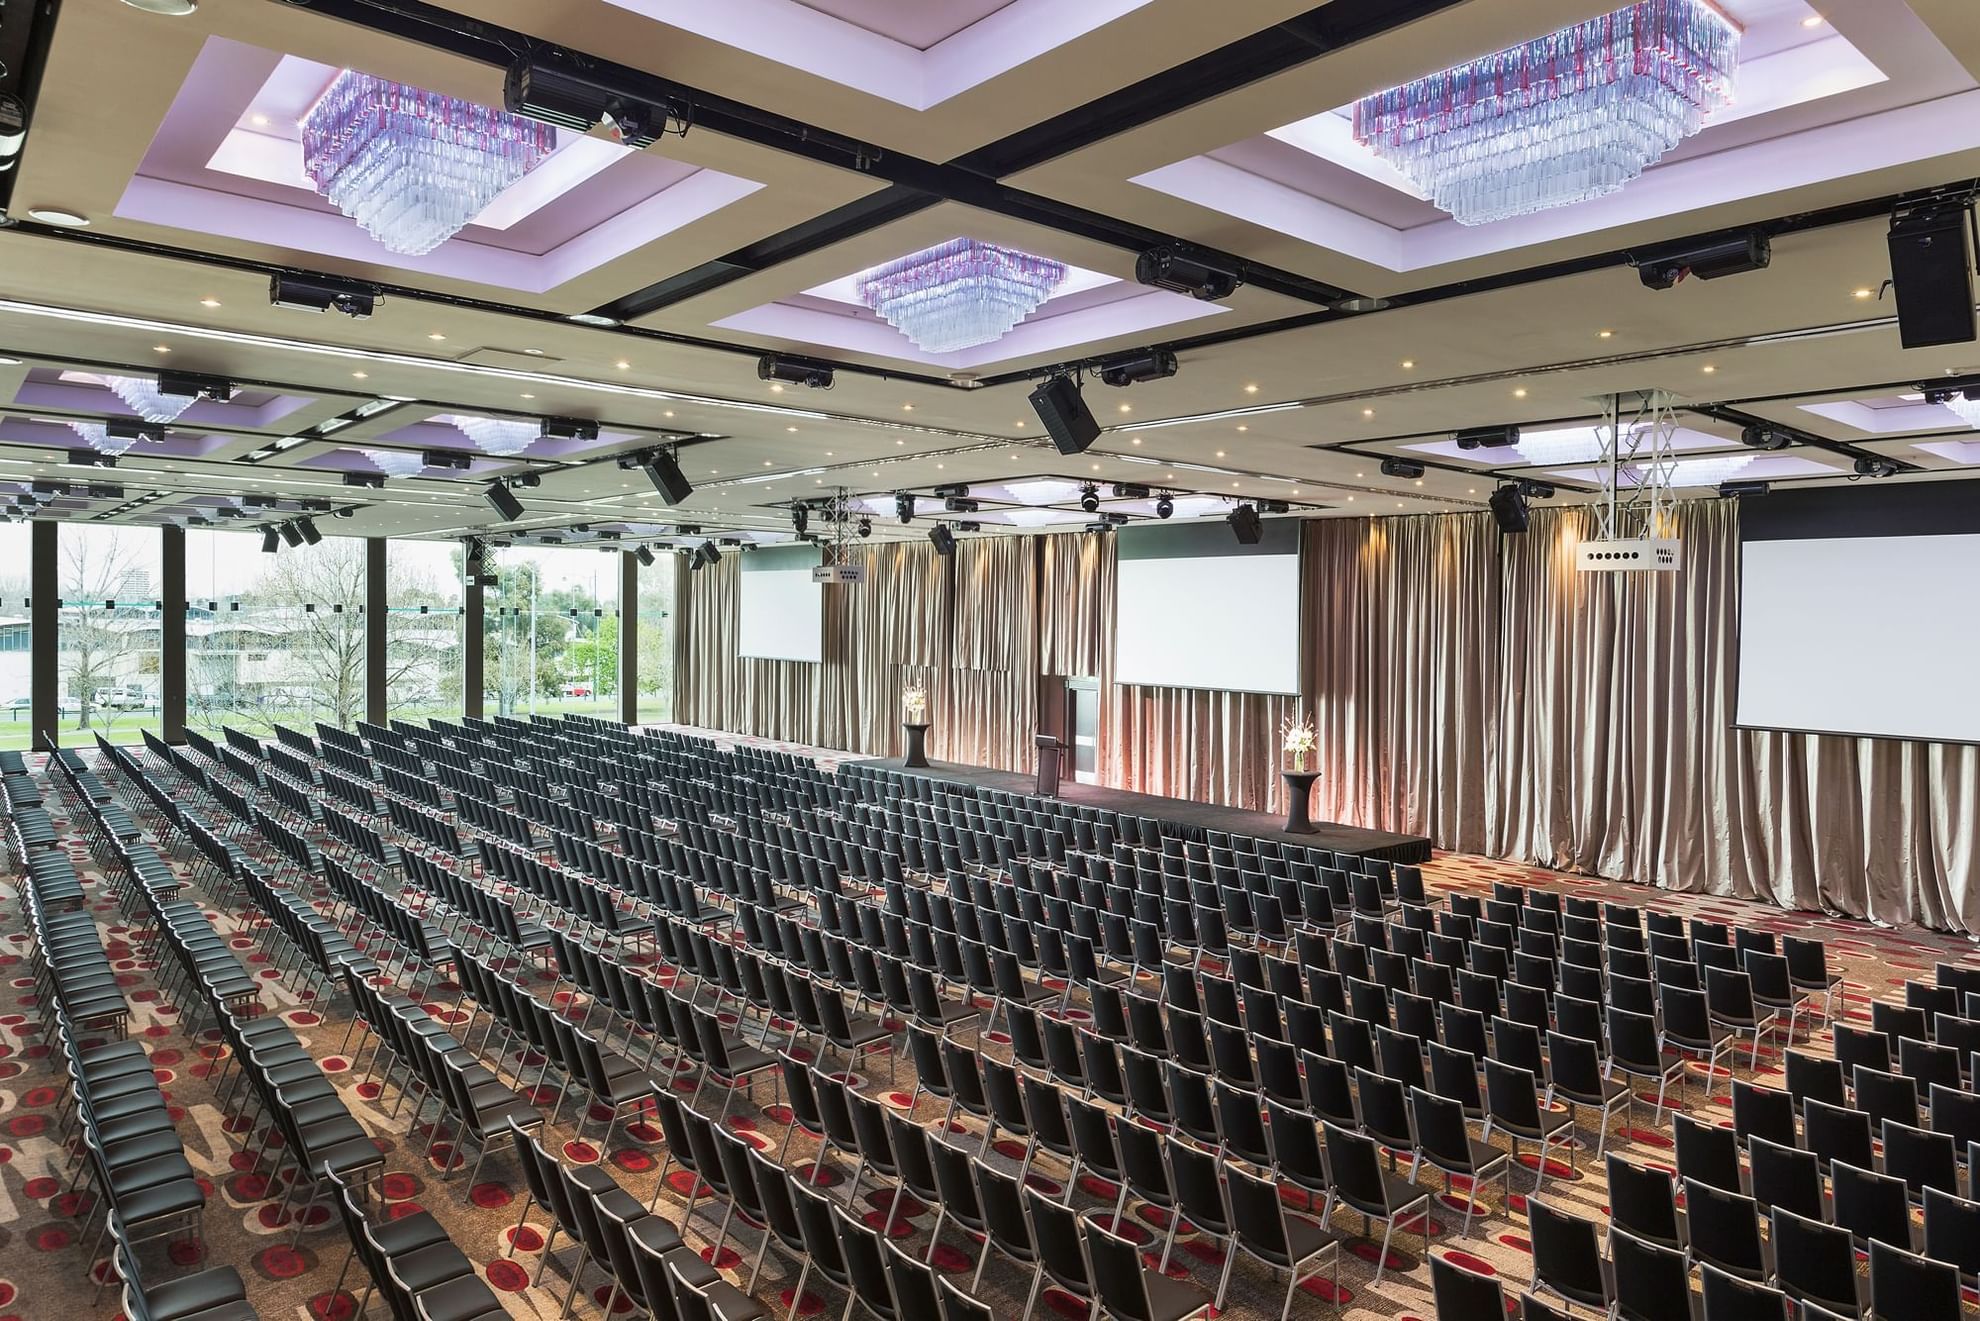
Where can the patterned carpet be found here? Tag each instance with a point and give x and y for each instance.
(43, 1273)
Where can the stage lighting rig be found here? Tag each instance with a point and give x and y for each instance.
(554, 90)
(1133, 368)
(1661, 267)
(1401, 468)
(1089, 498)
(569, 428)
(1472, 438)
(373, 480)
(794, 371)
(1166, 268)
(1164, 506)
(1739, 490)
(904, 505)
(1873, 466)
(865, 528)
(800, 518)
(195, 386)
(322, 293)
(1760, 436)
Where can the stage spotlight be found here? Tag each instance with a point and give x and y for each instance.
(550, 90)
(1165, 268)
(1100, 528)
(373, 480)
(1738, 490)
(1509, 508)
(644, 554)
(307, 526)
(1164, 507)
(865, 527)
(1662, 267)
(88, 458)
(1063, 410)
(195, 386)
(1533, 490)
(1246, 524)
(664, 471)
(1133, 368)
(569, 428)
(945, 540)
(1089, 498)
(503, 501)
(292, 534)
(1131, 491)
(1762, 437)
(959, 504)
(904, 505)
(1876, 467)
(1401, 468)
(322, 293)
(1472, 438)
(271, 541)
(951, 491)
(794, 371)
(800, 519)
(446, 460)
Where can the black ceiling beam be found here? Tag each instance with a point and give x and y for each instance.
(1739, 418)
(26, 28)
(1250, 59)
(441, 29)
(1799, 222)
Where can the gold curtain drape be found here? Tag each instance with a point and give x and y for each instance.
(1404, 622)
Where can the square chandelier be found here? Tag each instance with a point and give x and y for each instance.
(959, 294)
(1560, 119)
(413, 167)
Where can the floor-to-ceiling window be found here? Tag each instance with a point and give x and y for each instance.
(424, 662)
(273, 637)
(552, 632)
(656, 639)
(16, 633)
(108, 667)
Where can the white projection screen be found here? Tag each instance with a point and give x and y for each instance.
(1857, 612)
(781, 611)
(1194, 609)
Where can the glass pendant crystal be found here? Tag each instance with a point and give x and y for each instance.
(1558, 119)
(395, 463)
(959, 294)
(411, 166)
(498, 437)
(1968, 410)
(144, 398)
(1553, 449)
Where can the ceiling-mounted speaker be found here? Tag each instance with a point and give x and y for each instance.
(664, 471)
(1064, 412)
(1932, 276)
(1509, 508)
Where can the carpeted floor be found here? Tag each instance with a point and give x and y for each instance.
(44, 1274)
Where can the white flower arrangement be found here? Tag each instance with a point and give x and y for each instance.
(914, 706)
(1298, 739)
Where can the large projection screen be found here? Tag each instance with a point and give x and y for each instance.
(781, 611)
(1194, 609)
(1857, 614)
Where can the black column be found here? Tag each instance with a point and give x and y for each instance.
(172, 634)
(374, 630)
(474, 654)
(628, 638)
(44, 618)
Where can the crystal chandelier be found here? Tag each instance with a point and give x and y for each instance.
(1550, 449)
(1558, 119)
(411, 166)
(98, 437)
(1968, 410)
(498, 437)
(144, 398)
(395, 463)
(959, 294)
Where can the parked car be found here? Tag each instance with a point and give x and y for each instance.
(124, 697)
(577, 690)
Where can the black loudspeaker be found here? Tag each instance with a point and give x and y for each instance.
(1246, 524)
(1065, 414)
(1932, 276)
(1509, 508)
(668, 479)
(504, 503)
(944, 540)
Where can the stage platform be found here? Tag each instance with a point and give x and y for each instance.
(1191, 819)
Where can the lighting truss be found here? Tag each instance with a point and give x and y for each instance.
(1637, 433)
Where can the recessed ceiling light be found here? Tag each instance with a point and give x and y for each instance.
(259, 121)
(10, 362)
(1127, 408)
(907, 408)
(1605, 334)
(668, 413)
(209, 302)
(944, 465)
(1708, 369)
(1020, 423)
(361, 375)
(528, 395)
(766, 463)
(1134, 440)
(1251, 389)
(828, 454)
(790, 428)
(1350, 497)
(436, 336)
(161, 348)
(1474, 490)
(899, 441)
(1862, 293)
(534, 353)
(167, 8)
(1812, 21)
(1243, 427)
(623, 365)
(1520, 393)
(1408, 363)
(1220, 454)
(1361, 474)
(776, 387)
(1368, 412)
